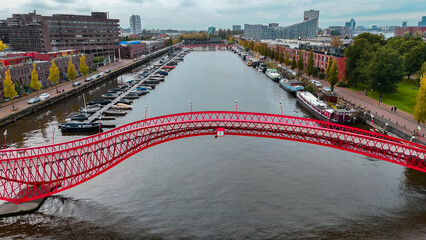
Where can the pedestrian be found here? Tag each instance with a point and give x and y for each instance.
(394, 108)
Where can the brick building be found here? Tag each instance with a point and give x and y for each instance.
(133, 49)
(21, 72)
(399, 31)
(95, 34)
(320, 59)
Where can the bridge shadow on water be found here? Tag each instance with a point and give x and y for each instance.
(408, 221)
(66, 218)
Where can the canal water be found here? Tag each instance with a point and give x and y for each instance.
(228, 188)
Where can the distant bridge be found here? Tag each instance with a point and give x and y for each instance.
(215, 45)
(31, 173)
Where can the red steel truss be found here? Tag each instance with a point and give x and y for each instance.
(31, 173)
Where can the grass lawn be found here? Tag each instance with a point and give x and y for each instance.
(404, 98)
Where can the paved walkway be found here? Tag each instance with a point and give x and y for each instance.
(21, 103)
(404, 120)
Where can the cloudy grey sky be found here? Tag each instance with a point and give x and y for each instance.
(200, 14)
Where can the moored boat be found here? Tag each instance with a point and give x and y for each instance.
(80, 127)
(114, 112)
(121, 106)
(273, 74)
(99, 101)
(110, 95)
(320, 109)
(291, 86)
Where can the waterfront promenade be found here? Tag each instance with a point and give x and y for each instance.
(401, 120)
(21, 103)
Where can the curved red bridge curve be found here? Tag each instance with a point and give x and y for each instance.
(30, 173)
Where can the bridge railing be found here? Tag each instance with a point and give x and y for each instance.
(211, 115)
(77, 161)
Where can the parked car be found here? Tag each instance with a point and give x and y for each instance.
(315, 83)
(75, 84)
(107, 71)
(326, 89)
(34, 100)
(88, 79)
(101, 74)
(44, 96)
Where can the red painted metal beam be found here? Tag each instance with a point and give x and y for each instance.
(64, 165)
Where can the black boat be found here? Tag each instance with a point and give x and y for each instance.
(151, 81)
(149, 85)
(80, 127)
(125, 101)
(99, 101)
(79, 117)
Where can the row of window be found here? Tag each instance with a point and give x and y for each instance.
(79, 22)
(78, 26)
(84, 31)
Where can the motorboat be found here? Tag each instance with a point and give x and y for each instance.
(80, 127)
(273, 74)
(99, 101)
(79, 117)
(121, 106)
(114, 112)
(110, 95)
(125, 101)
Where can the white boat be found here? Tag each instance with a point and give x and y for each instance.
(273, 74)
(121, 106)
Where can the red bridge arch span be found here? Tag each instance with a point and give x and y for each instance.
(31, 173)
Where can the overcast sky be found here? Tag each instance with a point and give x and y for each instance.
(200, 14)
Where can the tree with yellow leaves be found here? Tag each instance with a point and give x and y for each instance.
(72, 73)
(9, 87)
(420, 108)
(2, 46)
(35, 83)
(84, 69)
(54, 74)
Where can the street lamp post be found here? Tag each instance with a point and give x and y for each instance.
(372, 121)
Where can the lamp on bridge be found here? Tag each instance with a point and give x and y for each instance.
(372, 121)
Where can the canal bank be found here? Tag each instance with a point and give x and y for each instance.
(65, 90)
(230, 187)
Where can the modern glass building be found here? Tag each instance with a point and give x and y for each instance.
(135, 24)
(306, 29)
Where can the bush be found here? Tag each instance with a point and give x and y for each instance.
(321, 75)
(342, 84)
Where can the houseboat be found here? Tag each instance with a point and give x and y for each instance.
(320, 109)
(273, 74)
(291, 86)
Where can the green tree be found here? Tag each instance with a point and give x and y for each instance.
(333, 77)
(300, 64)
(281, 58)
(358, 56)
(84, 69)
(35, 83)
(385, 70)
(414, 58)
(293, 62)
(100, 60)
(287, 59)
(72, 73)
(420, 108)
(422, 69)
(327, 70)
(54, 74)
(310, 65)
(9, 87)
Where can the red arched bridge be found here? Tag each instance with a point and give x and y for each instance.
(31, 173)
